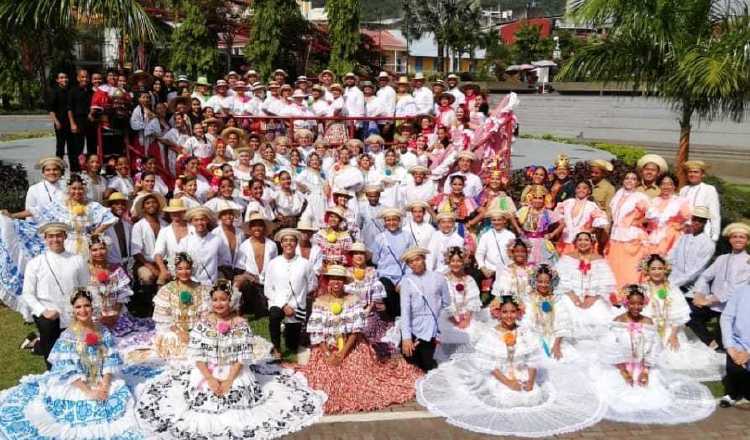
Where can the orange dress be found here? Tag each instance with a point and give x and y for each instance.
(665, 217)
(628, 241)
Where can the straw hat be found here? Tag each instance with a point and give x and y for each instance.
(54, 160)
(202, 81)
(497, 212)
(305, 225)
(373, 187)
(418, 204)
(472, 86)
(175, 205)
(734, 228)
(240, 85)
(602, 164)
(299, 94)
(445, 216)
(140, 75)
(53, 227)
(419, 76)
(229, 130)
(413, 252)
(466, 155)
(695, 165)
(178, 100)
(384, 75)
(326, 72)
(301, 79)
(137, 209)
(200, 211)
(232, 73)
(342, 192)
(224, 206)
(273, 85)
(358, 247)
(286, 232)
(336, 211)
(280, 71)
(453, 76)
(390, 212)
(654, 159)
(403, 81)
(336, 86)
(115, 197)
(251, 72)
(222, 83)
(701, 212)
(257, 217)
(366, 84)
(419, 169)
(350, 75)
(336, 271)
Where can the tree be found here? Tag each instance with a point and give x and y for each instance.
(343, 28)
(194, 45)
(692, 53)
(530, 46)
(276, 36)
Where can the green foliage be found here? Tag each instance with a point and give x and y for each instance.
(626, 153)
(194, 46)
(374, 10)
(343, 29)
(15, 183)
(530, 46)
(276, 30)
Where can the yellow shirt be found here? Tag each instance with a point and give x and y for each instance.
(651, 191)
(602, 193)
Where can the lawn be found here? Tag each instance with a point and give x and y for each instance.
(17, 363)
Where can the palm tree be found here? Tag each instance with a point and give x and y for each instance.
(127, 15)
(692, 53)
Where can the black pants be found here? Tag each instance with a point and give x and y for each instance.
(699, 318)
(49, 332)
(424, 354)
(292, 331)
(392, 299)
(63, 138)
(737, 381)
(253, 300)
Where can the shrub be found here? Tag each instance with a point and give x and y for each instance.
(629, 154)
(14, 182)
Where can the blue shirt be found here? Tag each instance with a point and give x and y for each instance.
(422, 299)
(386, 253)
(735, 321)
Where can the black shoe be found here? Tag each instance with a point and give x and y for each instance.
(727, 402)
(29, 342)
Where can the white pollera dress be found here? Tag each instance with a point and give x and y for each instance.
(468, 395)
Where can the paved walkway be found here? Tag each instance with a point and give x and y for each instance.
(725, 424)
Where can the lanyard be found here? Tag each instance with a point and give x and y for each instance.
(427, 304)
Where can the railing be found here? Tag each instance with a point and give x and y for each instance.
(350, 122)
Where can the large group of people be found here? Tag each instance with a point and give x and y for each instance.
(388, 259)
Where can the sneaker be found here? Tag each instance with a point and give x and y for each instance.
(727, 402)
(29, 342)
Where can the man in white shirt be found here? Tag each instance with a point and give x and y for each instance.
(289, 279)
(148, 208)
(417, 223)
(222, 102)
(354, 99)
(473, 184)
(370, 221)
(49, 281)
(387, 98)
(423, 96)
(207, 250)
(702, 194)
(453, 89)
(492, 250)
(690, 257)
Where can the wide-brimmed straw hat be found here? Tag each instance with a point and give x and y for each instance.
(413, 252)
(336, 271)
(654, 159)
(286, 232)
(175, 205)
(54, 160)
(137, 209)
(200, 211)
(53, 227)
(737, 227)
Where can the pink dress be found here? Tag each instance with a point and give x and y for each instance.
(578, 216)
(628, 241)
(665, 217)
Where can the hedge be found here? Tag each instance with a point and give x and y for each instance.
(14, 183)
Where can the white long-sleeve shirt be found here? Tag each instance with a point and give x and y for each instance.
(387, 97)
(41, 290)
(143, 239)
(472, 184)
(246, 258)
(726, 275)
(704, 194)
(42, 194)
(492, 249)
(208, 253)
(354, 101)
(689, 258)
(289, 281)
(424, 100)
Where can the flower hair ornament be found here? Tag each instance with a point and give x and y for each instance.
(622, 297)
(95, 239)
(645, 263)
(183, 257)
(544, 269)
(234, 294)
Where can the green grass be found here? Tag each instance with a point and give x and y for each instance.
(18, 363)
(29, 134)
(15, 363)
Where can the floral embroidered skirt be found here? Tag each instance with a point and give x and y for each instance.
(361, 382)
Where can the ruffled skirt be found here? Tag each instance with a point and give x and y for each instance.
(264, 402)
(37, 410)
(668, 399)
(694, 359)
(469, 397)
(361, 382)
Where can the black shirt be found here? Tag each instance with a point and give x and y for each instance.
(57, 102)
(79, 101)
